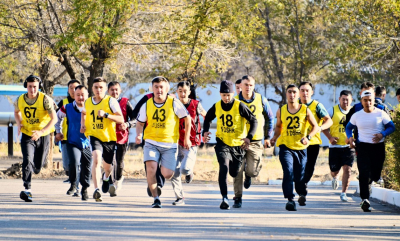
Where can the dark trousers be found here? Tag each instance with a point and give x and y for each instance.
(80, 162)
(34, 155)
(312, 156)
(293, 164)
(370, 158)
(120, 151)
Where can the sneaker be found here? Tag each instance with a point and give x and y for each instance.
(365, 205)
(85, 195)
(119, 185)
(113, 190)
(156, 204)
(335, 184)
(238, 202)
(76, 194)
(97, 195)
(26, 196)
(291, 206)
(106, 184)
(71, 190)
(247, 182)
(179, 202)
(189, 178)
(66, 181)
(302, 200)
(158, 191)
(343, 197)
(224, 204)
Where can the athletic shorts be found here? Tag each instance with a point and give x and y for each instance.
(107, 148)
(166, 157)
(339, 157)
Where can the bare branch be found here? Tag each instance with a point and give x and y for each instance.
(81, 63)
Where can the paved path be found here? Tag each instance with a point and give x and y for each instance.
(54, 215)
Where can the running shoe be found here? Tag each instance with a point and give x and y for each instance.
(291, 206)
(247, 182)
(26, 196)
(66, 181)
(106, 184)
(302, 200)
(97, 195)
(158, 191)
(343, 197)
(179, 202)
(238, 202)
(77, 194)
(119, 185)
(156, 204)
(84, 194)
(224, 204)
(335, 184)
(113, 190)
(71, 189)
(365, 205)
(189, 178)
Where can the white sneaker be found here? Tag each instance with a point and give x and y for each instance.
(119, 186)
(335, 184)
(343, 197)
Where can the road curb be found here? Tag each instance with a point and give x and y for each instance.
(385, 195)
(313, 183)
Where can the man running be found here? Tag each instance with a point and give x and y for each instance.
(341, 156)
(260, 108)
(162, 114)
(232, 136)
(238, 86)
(70, 98)
(324, 122)
(373, 126)
(35, 116)
(114, 89)
(100, 115)
(187, 157)
(78, 145)
(291, 129)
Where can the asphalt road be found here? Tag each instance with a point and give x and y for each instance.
(54, 215)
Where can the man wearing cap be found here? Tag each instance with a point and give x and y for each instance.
(232, 136)
(373, 126)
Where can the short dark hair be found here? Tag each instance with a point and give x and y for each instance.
(398, 92)
(290, 86)
(183, 83)
(379, 91)
(79, 87)
(112, 83)
(367, 85)
(73, 81)
(99, 80)
(248, 77)
(33, 78)
(306, 83)
(345, 92)
(238, 82)
(159, 79)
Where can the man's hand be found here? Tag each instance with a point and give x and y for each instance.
(36, 135)
(101, 113)
(123, 126)
(267, 143)
(206, 137)
(351, 142)
(304, 141)
(333, 140)
(59, 137)
(246, 143)
(377, 138)
(187, 143)
(83, 128)
(19, 129)
(139, 139)
(273, 141)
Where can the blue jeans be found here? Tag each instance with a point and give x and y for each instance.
(293, 164)
(80, 165)
(64, 154)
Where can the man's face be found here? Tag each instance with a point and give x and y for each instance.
(115, 91)
(292, 95)
(226, 97)
(247, 86)
(33, 88)
(368, 102)
(160, 89)
(238, 88)
(398, 98)
(71, 89)
(345, 101)
(80, 96)
(383, 96)
(183, 92)
(306, 92)
(99, 89)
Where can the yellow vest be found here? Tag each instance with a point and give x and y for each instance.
(34, 117)
(316, 139)
(101, 128)
(293, 128)
(231, 126)
(64, 124)
(337, 129)
(162, 122)
(256, 108)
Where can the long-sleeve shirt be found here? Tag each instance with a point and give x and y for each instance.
(130, 114)
(61, 114)
(244, 111)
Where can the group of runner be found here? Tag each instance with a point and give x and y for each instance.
(95, 130)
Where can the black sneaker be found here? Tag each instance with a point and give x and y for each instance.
(224, 204)
(97, 195)
(302, 200)
(189, 178)
(71, 190)
(179, 202)
(156, 204)
(26, 196)
(66, 181)
(113, 190)
(158, 191)
(365, 206)
(291, 206)
(76, 194)
(84, 194)
(106, 185)
(247, 182)
(238, 202)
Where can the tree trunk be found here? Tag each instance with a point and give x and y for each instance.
(100, 55)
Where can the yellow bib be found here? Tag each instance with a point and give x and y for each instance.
(64, 124)
(316, 139)
(162, 123)
(101, 128)
(256, 107)
(231, 126)
(34, 117)
(337, 129)
(293, 128)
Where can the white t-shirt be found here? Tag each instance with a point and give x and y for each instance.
(114, 105)
(369, 124)
(179, 110)
(330, 112)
